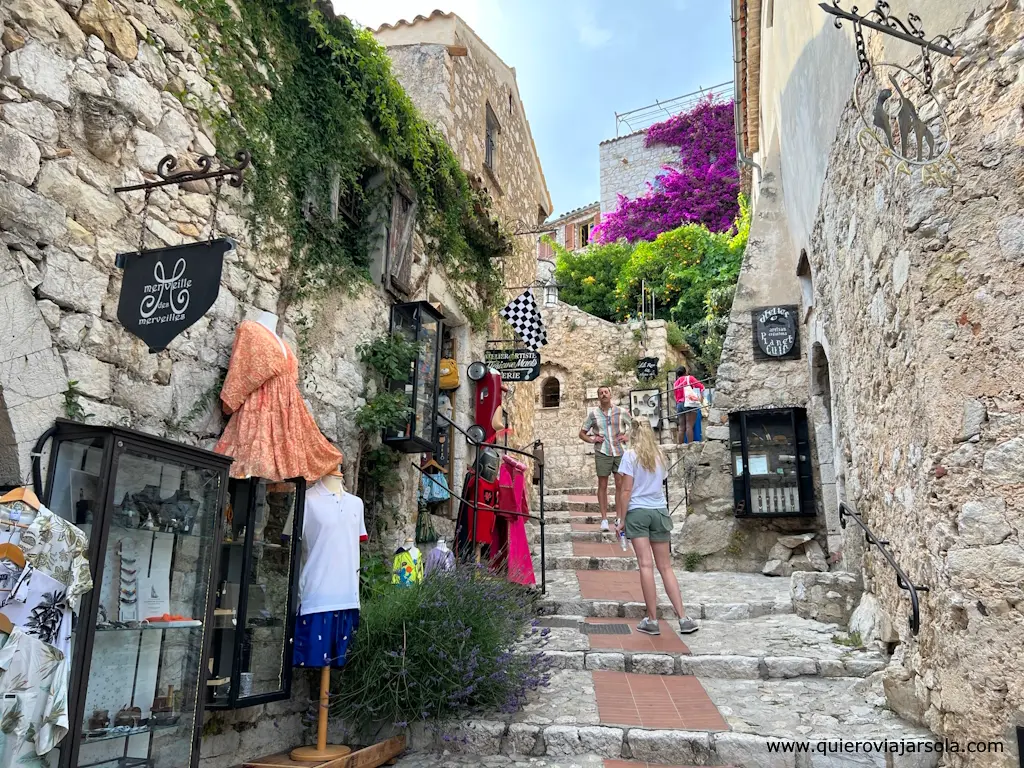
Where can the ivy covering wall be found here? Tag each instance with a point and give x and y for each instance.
(314, 99)
(701, 188)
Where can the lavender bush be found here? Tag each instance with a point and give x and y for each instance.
(701, 189)
(440, 650)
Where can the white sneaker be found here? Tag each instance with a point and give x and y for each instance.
(604, 526)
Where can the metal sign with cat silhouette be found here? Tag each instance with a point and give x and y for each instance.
(903, 120)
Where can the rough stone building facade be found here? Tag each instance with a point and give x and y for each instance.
(583, 353)
(461, 85)
(572, 231)
(627, 166)
(910, 336)
(87, 103)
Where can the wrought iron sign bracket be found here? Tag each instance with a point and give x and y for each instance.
(880, 19)
(165, 170)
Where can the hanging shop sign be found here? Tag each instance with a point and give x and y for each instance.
(775, 333)
(903, 122)
(514, 364)
(647, 368)
(166, 290)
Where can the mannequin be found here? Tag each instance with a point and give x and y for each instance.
(329, 593)
(271, 432)
(269, 321)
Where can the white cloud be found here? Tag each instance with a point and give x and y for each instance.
(591, 33)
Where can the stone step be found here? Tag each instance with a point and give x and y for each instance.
(771, 647)
(449, 760)
(614, 609)
(721, 723)
(717, 595)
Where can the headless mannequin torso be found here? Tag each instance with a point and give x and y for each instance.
(269, 321)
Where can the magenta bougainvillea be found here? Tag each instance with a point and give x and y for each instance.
(702, 189)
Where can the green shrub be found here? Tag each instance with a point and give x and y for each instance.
(693, 561)
(438, 651)
(626, 362)
(674, 335)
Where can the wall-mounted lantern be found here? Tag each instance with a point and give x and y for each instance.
(419, 323)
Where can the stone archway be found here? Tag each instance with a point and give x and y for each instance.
(825, 436)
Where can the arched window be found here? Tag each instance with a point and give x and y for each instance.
(550, 393)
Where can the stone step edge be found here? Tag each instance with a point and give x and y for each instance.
(716, 666)
(602, 563)
(487, 738)
(613, 609)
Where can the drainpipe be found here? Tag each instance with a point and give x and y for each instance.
(737, 41)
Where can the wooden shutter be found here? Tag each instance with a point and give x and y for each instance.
(570, 237)
(400, 241)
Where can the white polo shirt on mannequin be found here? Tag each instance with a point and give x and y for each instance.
(331, 531)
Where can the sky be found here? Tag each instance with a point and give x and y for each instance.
(578, 62)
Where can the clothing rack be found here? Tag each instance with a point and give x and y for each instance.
(475, 503)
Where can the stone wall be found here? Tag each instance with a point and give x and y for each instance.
(767, 278)
(584, 352)
(454, 90)
(917, 309)
(89, 100)
(627, 165)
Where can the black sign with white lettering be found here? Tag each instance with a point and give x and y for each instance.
(165, 291)
(647, 368)
(775, 333)
(514, 364)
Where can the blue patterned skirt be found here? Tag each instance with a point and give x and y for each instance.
(321, 639)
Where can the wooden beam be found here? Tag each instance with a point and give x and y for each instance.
(370, 757)
(458, 50)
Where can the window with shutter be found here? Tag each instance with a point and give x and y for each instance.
(491, 139)
(400, 241)
(570, 237)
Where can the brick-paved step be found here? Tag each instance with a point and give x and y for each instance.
(772, 647)
(671, 721)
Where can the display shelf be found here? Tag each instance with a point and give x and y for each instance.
(109, 480)
(87, 739)
(257, 583)
(150, 627)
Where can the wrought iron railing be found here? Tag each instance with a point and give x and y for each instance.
(902, 580)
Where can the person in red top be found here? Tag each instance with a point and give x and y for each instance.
(686, 410)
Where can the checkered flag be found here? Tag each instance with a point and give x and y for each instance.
(524, 317)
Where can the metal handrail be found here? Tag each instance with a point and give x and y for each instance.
(475, 504)
(902, 580)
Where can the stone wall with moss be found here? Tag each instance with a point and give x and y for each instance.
(92, 95)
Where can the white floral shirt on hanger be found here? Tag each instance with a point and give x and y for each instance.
(55, 547)
(38, 605)
(33, 700)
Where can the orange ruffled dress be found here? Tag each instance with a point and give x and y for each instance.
(271, 433)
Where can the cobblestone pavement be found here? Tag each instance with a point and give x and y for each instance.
(754, 672)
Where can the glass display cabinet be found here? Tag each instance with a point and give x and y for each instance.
(256, 590)
(420, 323)
(771, 461)
(151, 509)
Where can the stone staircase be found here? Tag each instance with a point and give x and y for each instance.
(755, 677)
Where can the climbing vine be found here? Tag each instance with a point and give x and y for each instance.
(314, 100)
(386, 358)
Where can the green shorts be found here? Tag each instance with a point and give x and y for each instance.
(653, 524)
(606, 464)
